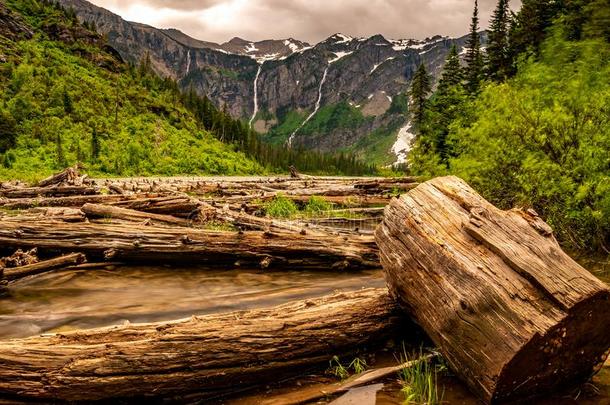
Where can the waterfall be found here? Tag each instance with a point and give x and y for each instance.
(188, 61)
(258, 73)
(289, 142)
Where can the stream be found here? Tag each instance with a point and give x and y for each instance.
(67, 300)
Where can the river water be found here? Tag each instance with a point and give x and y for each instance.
(66, 300)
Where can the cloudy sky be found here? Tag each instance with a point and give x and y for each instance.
(308, 20)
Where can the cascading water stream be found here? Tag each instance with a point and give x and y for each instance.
(188, 61)
(318, 102)
(258, 73)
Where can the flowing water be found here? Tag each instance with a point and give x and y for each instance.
(318, 101)
(255, 111)
(65, 300)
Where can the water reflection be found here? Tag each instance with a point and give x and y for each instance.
(69, 300)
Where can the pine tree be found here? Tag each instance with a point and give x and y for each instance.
(474, 58)
(452, 71)
(532, 22)
(420, 88)
(95, 146)
(498, 53)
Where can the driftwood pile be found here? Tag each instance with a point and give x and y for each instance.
(166, 220)
(513, 315)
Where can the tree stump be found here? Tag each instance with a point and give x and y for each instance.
(512, 313)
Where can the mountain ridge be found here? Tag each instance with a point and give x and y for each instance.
(335, 95)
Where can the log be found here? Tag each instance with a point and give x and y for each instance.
(15, 273)
(205, 355)
(58, 191)
(137, 242)
(69, 175)
(107, 211)
(71, 201)
(513, 314)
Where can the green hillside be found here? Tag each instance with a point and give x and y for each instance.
(539, 137)
(65, 97)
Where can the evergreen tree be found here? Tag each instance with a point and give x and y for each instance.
(8, 127)
(474, 58)
(95, 146)
(452, 71)
(531, 24)
(498, 53)
(67, 101)
(420, 89)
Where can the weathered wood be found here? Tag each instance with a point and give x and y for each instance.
(15, 273)
(71, 201)
(512, 313)
(202, 355)
(107, 211)
(59, 191)
(175, 205)
(136, 242)
(69, 176)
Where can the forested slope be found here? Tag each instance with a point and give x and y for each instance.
(536, 132)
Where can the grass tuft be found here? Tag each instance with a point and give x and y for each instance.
(420, 381)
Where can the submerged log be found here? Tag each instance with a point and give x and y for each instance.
(15, 273)
(203, 355)
(511, 312)
(137, 242)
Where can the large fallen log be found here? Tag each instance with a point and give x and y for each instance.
(513, 315)
(202, 355)
(138, 242)
(59, 191)
(70, 201)
(15, 273)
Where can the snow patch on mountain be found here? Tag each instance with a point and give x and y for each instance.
(404, 143)
(339, 55)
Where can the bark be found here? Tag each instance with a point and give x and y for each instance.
(68, 176)
(107, 211)
(137, 242)
(512, 313)
(203, 355)
(15, 273)
(71, 201)
(59, 191)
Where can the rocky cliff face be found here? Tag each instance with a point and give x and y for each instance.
(341, 94)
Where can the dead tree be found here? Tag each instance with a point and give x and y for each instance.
(511, 312)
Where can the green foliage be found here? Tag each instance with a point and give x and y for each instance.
(542, 140)
(332, 117)
(65, 109)
(419, 381)
(498, 51)
(420, 89)
(474, 58)
(336, 368)
(317, 206)
(281, 207)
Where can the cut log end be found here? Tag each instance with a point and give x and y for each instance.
(565, 356)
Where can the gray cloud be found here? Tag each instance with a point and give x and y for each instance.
(308, 20)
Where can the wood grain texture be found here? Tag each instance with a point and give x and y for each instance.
(512, 313)
(137, 242)
(202, 355)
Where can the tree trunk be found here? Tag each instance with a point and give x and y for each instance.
(137, 242)
(513, 315)
(15, 273)
(202, 355)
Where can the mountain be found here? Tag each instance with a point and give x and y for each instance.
(67, 97)
(342, 94)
